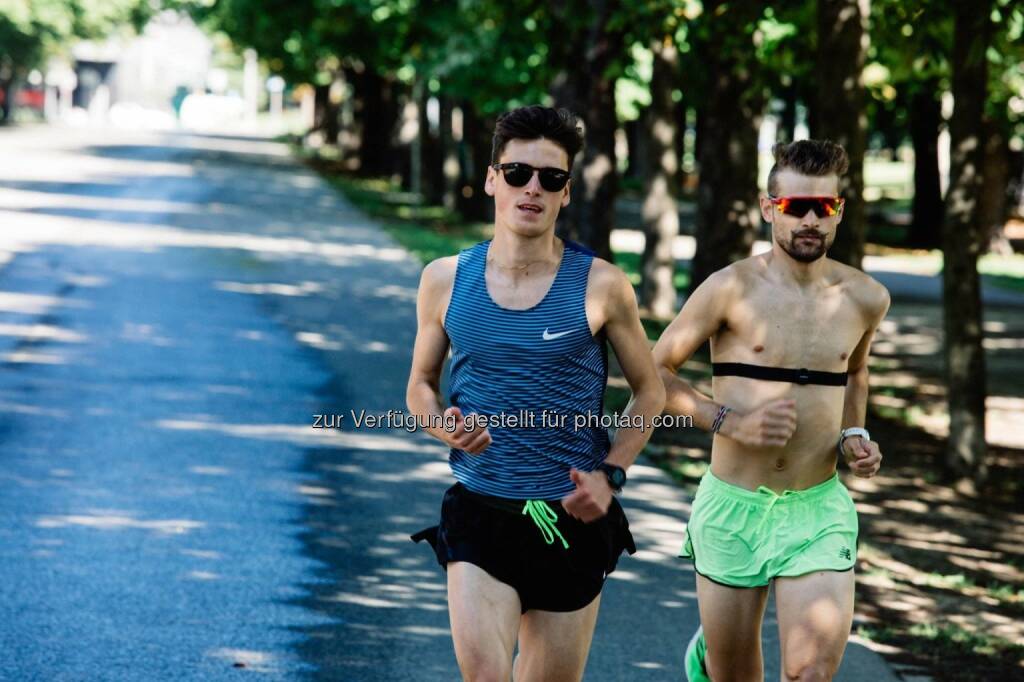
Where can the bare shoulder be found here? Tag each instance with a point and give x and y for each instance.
(436, 284)
(731, 281)
(866, 291)
(607, 281)
(439, 275)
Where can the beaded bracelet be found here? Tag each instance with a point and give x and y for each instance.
(719, 418)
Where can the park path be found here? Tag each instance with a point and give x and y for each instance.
(174, 310)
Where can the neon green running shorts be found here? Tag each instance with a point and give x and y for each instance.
(745, 538)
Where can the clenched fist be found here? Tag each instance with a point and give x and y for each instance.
(771, 425)
(468, 438)
(862, 456)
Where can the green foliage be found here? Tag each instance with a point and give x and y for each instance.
(32, 30)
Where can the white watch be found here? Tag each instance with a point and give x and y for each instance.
(847, 433)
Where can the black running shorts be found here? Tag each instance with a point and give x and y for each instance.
(494, 534)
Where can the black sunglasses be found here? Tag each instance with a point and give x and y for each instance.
(518, 174)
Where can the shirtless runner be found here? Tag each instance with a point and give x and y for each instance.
(790, 333)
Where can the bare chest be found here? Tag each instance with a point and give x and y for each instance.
(519, 291)
(783, 329)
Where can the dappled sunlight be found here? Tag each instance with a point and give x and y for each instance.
(34, 410)
(210, 470)
(425, 631)
(144, 333)
(396, 292)
(437, 471)
(115, 521)
(409, 600)
(273, 288)
(34, 304)
(626, 576)
(22, 357)
(220, 389)
(58, 230)
(313, 490)
(298, 434)
(254, 661)
(42, 332)
(317, 340)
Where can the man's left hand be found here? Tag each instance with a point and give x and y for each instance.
(862, 456)
(592, 497)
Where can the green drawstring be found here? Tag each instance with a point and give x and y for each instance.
(545, 518)
(771, 505)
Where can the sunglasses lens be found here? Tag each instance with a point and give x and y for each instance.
(822, 206)
(518, 176)
(553, 180)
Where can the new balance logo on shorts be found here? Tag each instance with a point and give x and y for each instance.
(845, 553)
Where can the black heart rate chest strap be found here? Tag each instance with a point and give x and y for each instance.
(801, 376)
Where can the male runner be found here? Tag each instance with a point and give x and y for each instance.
(790, 332)
(531, 529)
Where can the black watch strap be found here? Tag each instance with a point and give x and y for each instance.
(616, 475)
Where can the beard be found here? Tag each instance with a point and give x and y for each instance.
(805, 251)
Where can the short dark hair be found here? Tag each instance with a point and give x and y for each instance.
(560, 126)
(807, 157)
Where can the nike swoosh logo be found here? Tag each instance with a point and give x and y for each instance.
(551, 337)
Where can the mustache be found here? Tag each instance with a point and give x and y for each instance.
(809, 233)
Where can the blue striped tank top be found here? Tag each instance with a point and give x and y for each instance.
(539, 369)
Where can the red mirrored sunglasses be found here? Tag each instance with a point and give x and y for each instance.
(798, 206)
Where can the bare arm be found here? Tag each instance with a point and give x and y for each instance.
(431, 347)
(702, 316)
(593, 494)
(863, 457)
(629, 341)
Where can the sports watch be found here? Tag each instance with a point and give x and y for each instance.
(616, 475)
(849, 433)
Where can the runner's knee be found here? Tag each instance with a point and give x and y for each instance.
(738, 669)
(479, 669)
(816, 671)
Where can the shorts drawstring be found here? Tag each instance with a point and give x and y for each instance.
(771, 505)
(545, 518)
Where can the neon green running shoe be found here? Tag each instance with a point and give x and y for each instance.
(696, 650)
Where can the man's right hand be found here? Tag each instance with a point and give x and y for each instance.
(771, 425)
(473, 440)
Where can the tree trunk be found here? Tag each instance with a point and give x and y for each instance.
(600, 179)
(569, 90)
(728, 128)
(637, 154)
(377, 110)
(787, 121)
(842, 48)
(431, 157)
(963, 239)
(477, 133)
(449, 155)
(5, 100)
(325, 118)
(992, 202)
(925, 119)
(660, 211)
(682, 125)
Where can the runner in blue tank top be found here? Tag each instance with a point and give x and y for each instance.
(531, 529)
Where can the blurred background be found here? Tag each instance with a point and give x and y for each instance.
(393, 102)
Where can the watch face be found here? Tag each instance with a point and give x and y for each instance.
(616, 475)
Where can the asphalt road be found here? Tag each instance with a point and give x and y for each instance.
(174, 311)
